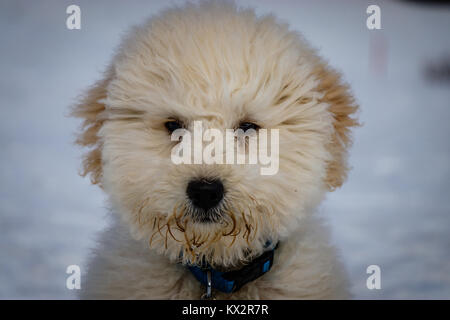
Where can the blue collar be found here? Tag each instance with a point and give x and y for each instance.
(232, 281)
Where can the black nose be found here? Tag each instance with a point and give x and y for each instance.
(205, 194)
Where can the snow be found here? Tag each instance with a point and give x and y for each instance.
(393, 211)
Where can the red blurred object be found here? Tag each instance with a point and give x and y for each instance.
(378, 53)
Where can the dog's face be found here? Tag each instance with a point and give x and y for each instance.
(227, 69)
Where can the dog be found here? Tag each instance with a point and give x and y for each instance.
(223, 231)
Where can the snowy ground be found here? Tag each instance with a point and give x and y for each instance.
(393, 211)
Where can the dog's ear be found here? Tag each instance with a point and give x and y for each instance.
(342, 107)
(90, 109)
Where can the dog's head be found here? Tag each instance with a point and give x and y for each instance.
(226, 69)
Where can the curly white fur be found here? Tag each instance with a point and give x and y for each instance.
(221, 65)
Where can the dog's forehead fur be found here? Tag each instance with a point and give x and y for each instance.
(215, 63)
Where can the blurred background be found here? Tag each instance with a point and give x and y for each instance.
(393, 211)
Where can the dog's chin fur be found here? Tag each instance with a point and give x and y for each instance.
(221, 65)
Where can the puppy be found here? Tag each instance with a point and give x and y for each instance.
(215, 230)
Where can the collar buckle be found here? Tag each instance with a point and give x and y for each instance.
(208, 294)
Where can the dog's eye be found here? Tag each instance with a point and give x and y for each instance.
(244, 126)
(173, 125)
